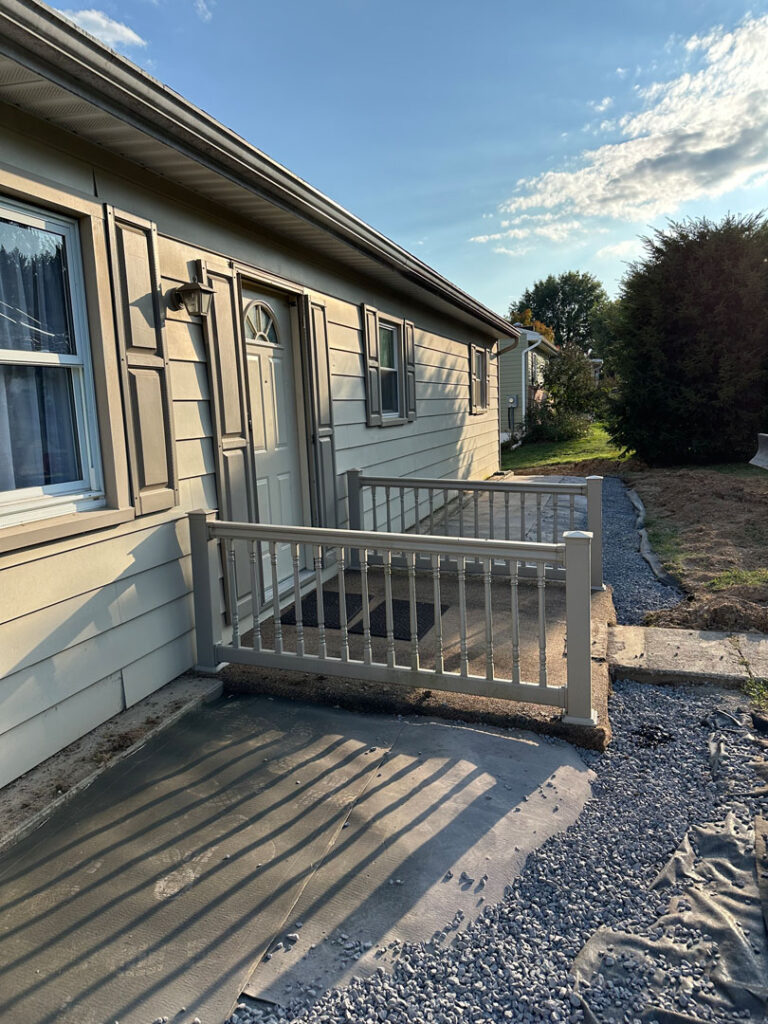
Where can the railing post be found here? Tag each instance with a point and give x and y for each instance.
(595, 527)
(355, 499)
(205, 589)
(578, 625)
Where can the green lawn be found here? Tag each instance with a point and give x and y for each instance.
(596, 445)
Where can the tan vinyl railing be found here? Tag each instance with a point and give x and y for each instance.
(366, 619)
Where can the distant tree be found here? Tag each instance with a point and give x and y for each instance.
(606, 332)
(568, 303)
(525, 317)
(692, 348)
(569, 381)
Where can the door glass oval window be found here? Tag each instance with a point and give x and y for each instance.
(260, 323)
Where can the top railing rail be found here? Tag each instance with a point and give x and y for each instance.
(443, 484)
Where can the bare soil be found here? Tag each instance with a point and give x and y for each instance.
(709, 526)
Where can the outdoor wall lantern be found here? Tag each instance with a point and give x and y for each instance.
(194, 296)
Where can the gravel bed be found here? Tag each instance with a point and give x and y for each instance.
(636, 589)
(512, 964)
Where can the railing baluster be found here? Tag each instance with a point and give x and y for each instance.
(522, 516)
(388, 608)
(275, 599)
(402, 509)
(506, 515)
(431, 496)
(320, 599)
(233, 609)
(298, 610)
(538, 518)
(476, 504)
(367, 649)
(439, 663)
(514, 566)
(254, 554)
(540, 584)
(445, 512)
(489, 669)
(555, 498)
(490, 515)
(343, 607)
(571, 511)
(461, 513)
(375, 510)
(417, 521)
(389, 511)
(411, 558)
(463, 615)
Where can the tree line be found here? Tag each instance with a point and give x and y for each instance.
(685, 344)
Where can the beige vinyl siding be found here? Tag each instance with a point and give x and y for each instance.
(510, 383)
(444, 441)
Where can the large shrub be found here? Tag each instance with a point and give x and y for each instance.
(692, 350)
(569, 384)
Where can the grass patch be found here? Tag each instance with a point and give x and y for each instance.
(596, 444)
(757, 691)
(665, 541)
(739, 578)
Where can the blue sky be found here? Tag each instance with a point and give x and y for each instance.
(497, 141)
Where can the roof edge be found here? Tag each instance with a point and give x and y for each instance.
(48, 43)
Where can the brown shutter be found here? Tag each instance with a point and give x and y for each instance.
(229, 401)
(372, 369)
(323, 463)
(474, 398)
(140, 323)
(410, 371)
(487, 366)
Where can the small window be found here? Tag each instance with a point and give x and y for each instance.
(260, 323)
(49, 462)
(478, 379)
(389, 344)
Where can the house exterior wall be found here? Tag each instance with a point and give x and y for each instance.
(510, 371)
(92, 622)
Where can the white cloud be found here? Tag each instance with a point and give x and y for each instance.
(504, 251)
(698, 135)
(203, 9)
(113, 33)
(604, 104)
(621, 250)
(622, 72)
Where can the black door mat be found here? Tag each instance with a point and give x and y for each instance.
(331, 608)
(401, 619)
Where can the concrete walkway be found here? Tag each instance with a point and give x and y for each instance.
(681, 656)
(157, 890)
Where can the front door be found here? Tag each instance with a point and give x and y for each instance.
(273, 399)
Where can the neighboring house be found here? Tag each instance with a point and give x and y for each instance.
(125, 402)
(520, 372)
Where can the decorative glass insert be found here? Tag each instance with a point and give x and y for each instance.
(260, 323)
(390, 388)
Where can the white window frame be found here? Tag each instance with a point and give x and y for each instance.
(45, 502)
(388, 325)
(481, 382)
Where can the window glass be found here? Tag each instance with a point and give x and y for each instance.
(259, 323)
(390, 401)
(34, 313)
(387, 347)
(38, 427)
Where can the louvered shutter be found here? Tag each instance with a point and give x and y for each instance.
(140, 326)
(372, 366)
(410, 371)
(323, 465)
(474, 398)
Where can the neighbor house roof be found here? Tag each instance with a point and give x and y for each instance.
(52, 69)
(529, 337)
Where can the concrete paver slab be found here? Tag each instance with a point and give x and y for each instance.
(650, 654)
(446, 823)
(161, 885)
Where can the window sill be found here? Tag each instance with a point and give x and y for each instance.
(44, 530)
(393, 421)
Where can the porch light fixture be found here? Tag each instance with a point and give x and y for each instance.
(194, 296)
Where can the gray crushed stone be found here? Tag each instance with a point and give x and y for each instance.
(513, 963)
(636, 589)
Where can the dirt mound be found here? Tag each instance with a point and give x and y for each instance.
(717, 611)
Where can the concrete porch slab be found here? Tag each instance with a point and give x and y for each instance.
(163, 884)
(681, 656)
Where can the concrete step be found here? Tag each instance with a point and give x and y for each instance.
(683, 656)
